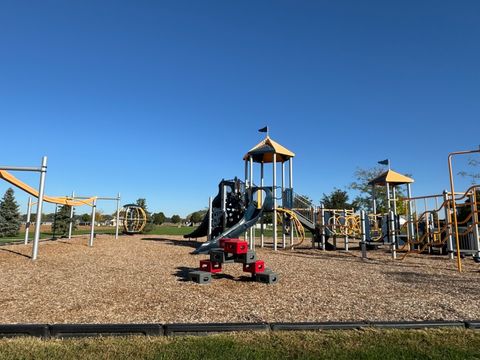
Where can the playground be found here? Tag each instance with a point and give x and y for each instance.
(142, 279)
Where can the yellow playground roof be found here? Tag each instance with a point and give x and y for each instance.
(391, 177)
(264, 150)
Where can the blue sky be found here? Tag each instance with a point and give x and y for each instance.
(161, 99)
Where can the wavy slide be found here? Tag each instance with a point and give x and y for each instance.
(5, 175)
(250, 218)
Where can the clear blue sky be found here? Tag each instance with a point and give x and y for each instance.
(161, 99)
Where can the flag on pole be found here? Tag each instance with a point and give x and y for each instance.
(384, 162)
(263, 130)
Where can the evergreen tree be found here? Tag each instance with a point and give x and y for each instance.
(61, 222)
(142, 202)
(9, 215)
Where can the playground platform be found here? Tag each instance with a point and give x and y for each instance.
(140, 279)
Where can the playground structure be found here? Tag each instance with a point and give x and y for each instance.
(404, 227)
(132, 217)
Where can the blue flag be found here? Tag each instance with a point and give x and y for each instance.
(384, 162)
(264, 129)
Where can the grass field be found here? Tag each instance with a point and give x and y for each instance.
(47, 234)
(364, 344)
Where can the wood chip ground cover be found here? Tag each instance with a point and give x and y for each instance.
(140, 279)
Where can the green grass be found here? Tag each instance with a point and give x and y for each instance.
(364, 344)
(171, 230)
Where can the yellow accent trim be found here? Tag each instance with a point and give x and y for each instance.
(297, 225)
(63, 200)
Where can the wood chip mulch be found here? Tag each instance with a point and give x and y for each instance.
(140, 279)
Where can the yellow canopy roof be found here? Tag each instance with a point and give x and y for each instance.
(391, 177)
(264, 150)
(5, 175)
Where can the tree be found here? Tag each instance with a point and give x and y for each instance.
(338, 199)
(474, 176)
(197, 216)
(364, 198)
(158, 218)
(176, 219)
(9, 215)
(142, 202)
(85, 218)
(62, 220)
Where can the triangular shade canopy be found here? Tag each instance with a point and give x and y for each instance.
(391, 177)
(264, 150)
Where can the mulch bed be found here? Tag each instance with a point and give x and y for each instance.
(138, 279)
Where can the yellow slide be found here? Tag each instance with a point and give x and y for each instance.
(54, 200)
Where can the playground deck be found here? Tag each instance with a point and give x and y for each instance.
(140, 279)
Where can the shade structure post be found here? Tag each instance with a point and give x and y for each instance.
(70, 223)
(38, 222)
(117, 221)
(92, 222)
(27, 223)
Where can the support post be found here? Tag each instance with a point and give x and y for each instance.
(27, 223)
(70, 224)
(476, 235)
(117, 221)
(322, 224)
(284, 218)
(363, 243)
(391, 218)
(262, 224)
(345, 226)
(274, 193)
(38, 222)
(411, 227)
(210, 218)
(92, 223)
(290, 185)
(252, 234)
(448, 224)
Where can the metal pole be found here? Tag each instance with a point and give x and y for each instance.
(92, 225)
(252, 236)
(290, 185)
(448, 224)
(274, 192)
(210, 217)
(374, 199)
(454, 205)
(223, 196)
(27, 223)
(246, 192)
(284, 218)
(392, 233)
(262, 225)
(117, 222)
(70, 225)
(345, 224)
(363, 243)
(38, 220)
(476, 234)
(411, 227)
(322, 223)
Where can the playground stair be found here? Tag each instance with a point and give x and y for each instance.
(233, 251)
